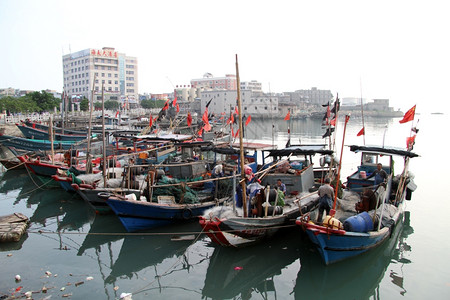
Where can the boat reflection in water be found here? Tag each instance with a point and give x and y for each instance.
(356, 278)
(150, 248)
(245, 272)
(68, 212)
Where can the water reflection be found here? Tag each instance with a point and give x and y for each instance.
(356, 278)
(148, 249)
(245, 273)
(60, 208)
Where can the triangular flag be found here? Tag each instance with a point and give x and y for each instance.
(205, 116)
(200, 132)
(166, 105)
(361, 132)
(249, 119)
(288, 116)
(409, 115)
(189, 119)
(333, 122)
(237, 133)
(410, 142)
(207, 127)
(232, 131)
(150, 121)
(174, 103)
(236, 110)
(178, 108)
(117, 113)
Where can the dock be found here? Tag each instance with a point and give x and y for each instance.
(13, 227)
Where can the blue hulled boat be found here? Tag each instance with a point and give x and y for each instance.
(381, 207)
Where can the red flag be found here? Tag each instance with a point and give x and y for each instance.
(237, 133)
(174, 103)
(236, 110)
(361, 132)
(249, 119)
(207, 127)
(178, 108)
(410, 141)
(189, 119)
(409, 115)
(333, 122)
(166, 105)
(200, 131)
(117, 113)
(205, 116)
(150, 121)
(288, 116)
(232, 131)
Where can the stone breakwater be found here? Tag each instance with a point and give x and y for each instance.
(10, 129)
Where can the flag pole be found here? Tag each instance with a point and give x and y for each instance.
(362, 113)
(333, 211)
(243, 185)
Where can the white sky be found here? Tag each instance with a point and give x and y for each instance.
(399, 50)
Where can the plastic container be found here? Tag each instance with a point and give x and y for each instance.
(360, 223)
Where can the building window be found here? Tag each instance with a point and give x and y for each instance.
(103, 74)
(109, 81)
(109, 74)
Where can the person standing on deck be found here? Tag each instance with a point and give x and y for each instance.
(326, 195)
(380, 174)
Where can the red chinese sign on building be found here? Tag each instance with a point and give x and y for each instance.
(105, 53)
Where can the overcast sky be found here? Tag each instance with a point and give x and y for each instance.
(399, 50)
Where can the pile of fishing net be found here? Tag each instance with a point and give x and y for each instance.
(179, 191)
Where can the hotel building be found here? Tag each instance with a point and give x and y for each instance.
(117, 72)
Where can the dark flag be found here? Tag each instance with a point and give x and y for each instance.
(328, 132)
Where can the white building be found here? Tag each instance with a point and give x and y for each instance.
(229, 82)
(222, 101)
(254, 86)
(117, 73)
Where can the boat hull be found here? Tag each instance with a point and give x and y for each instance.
(140, 215)
(33, 145)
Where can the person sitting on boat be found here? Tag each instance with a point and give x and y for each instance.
(217, 171)
(380, 174)
(326, 194)
(281, 186)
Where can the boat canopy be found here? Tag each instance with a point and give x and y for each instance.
(383, 150)
(301, 150)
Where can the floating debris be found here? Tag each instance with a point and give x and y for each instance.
(48, 273)
(89, 278)
(125, 296)
(9, 254)
(79, 283)
(12, 227)
(44, 289)
(18, 278)
(29, 294)
(67, 295)
(62, 289)
(116, 288)
(238, 268)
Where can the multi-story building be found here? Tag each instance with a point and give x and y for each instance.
(255, 104)
(312, 96)
(210, 82)
(90, 69)
(254, 86)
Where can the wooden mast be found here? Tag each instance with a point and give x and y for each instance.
(241, 143)
(103, 138)
(88, 150)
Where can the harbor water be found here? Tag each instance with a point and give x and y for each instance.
(69, 252)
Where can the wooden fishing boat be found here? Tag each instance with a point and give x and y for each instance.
(41, 126)
(377, 213)
(40, 134)
(34, 145)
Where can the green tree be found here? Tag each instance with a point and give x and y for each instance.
(84, 104)
(45, 101)
(16, 105)
(111, 105)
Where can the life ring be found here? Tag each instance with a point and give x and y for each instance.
(104, 195)
(187, 213)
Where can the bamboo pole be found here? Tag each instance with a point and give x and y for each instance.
(333, 211)
(88, 150)
(103, 137)
(241, 143)
(50, 132)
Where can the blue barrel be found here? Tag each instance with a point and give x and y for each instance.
(360, 223)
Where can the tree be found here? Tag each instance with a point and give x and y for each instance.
(45, 101)
(152, 103)
(16, 105)
(84, 104)
(111, 105)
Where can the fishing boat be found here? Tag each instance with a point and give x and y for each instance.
(20, 143)
(265, 212)
(40, 134)
(356, 228)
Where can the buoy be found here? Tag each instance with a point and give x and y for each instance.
(332, 223)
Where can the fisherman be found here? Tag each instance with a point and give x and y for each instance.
(326, 194)
(281, 186)
(380, 174)
(217, 171)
